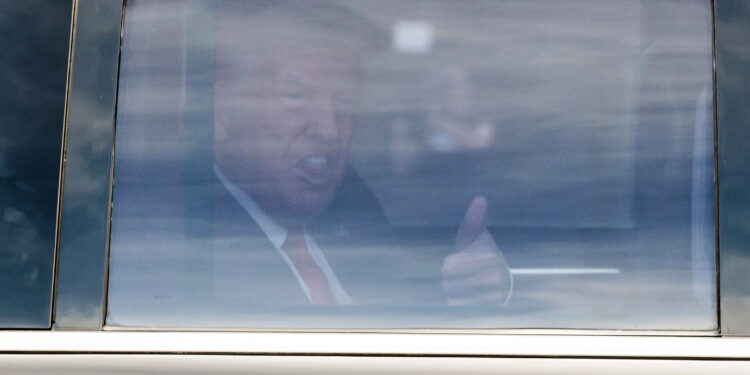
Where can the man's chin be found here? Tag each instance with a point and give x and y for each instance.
(306, 206)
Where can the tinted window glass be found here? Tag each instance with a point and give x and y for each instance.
(512, 164)
(33, 70)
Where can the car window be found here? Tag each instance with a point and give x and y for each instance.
(34, 69)
(421, 164)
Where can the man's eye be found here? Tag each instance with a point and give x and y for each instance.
(293, 96)
(347, 103)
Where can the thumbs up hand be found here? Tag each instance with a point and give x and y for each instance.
(476, 273)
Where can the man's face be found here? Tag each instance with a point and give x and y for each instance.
(284, 126)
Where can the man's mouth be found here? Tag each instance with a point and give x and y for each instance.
(317, 169)
(316, 161)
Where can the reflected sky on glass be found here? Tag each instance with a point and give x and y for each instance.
(586, 126)
(33, 70)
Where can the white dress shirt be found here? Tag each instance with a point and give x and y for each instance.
(277, 234)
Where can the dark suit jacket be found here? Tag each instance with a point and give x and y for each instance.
(365, 253)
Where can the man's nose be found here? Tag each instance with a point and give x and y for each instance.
(322, 119)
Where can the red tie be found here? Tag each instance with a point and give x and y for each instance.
(295, 248)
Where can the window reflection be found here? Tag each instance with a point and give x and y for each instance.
(539, 165)
(33, 66)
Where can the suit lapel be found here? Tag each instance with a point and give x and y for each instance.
(248, 270)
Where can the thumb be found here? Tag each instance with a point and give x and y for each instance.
(473, 223)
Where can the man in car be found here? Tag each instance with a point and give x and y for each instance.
(294, 222)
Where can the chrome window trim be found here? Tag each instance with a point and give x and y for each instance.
(432, 331)
(376, 344)
(61, 171)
